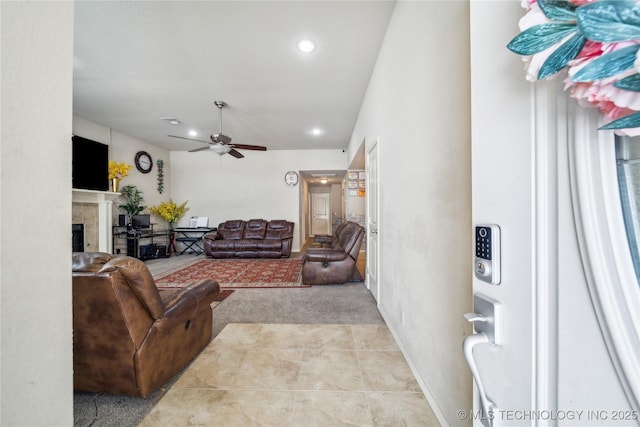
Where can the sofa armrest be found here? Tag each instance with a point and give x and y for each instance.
(323, 238)
(324, 255)
(212, 236)
(184, 303)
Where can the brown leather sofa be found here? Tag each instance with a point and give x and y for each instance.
(334, 258)
(128, 336)
(256, 238)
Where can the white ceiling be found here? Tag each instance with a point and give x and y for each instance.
(137, 62)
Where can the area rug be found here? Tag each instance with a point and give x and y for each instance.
(239, 273)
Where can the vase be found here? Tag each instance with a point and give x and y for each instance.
(115, 184)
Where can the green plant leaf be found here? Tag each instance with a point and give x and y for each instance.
(631, 83)
(539, 37)
(558, 10)
(608, 65)
(561, 56)
(610, 21)
(626, 122)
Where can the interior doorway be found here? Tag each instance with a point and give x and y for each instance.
(322, 206)
(320, 213)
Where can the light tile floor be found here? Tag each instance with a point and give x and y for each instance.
(296, 375)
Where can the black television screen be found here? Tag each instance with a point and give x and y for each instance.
(141, 221)
(90, 164)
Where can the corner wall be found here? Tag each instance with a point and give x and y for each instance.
(224, 188)
(36, 386)
(417, 104)
(123, 148)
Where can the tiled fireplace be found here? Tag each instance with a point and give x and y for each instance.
(94, 210)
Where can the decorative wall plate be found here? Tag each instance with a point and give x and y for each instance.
(291, 178)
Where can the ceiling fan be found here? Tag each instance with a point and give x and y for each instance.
(221, 143)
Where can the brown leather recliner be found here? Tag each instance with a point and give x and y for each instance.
(335, 262)
(327, 240)
(128, 336)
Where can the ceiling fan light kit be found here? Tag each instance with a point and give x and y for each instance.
(220, 149)
(221, 143)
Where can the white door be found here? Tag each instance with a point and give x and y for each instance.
(321, 213)
(551, 357)
(372, 220)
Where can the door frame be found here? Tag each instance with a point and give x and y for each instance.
(375, 191)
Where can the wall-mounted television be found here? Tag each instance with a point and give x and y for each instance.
(90, 164)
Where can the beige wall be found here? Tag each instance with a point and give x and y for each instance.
(417, 104)
(223, 187)
(36, 385)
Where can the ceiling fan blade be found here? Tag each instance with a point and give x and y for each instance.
(236, 154)
(189, 139)
(249, 147)
(199, 149)
(220, 137)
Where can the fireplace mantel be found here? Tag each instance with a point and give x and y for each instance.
(93, 196)
(104, 200)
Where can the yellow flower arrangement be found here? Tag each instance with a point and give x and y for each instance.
(169, 211)
(118, 169)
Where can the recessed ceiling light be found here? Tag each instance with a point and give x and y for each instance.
(316, 131)
(306, 46)
(324, 180)
(193, 133)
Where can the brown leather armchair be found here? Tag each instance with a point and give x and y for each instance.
(335, 261)
(327, 240)
(128, 336)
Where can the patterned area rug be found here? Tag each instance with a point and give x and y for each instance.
(239, 273)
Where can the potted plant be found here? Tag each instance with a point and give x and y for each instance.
(132, 201)
(169, 211)
(117, 171)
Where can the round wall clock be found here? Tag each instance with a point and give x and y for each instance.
(291, 178)
(143, 161)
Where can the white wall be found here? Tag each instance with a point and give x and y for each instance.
(36, 387)
(123, 148)
(224, 188)
(417, 104)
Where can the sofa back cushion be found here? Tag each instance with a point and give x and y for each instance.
(255, 229)
(121, 292)
(348, 237)
(133, 273)
(279, 229)
(231, 230)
